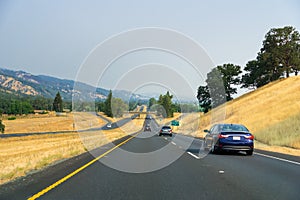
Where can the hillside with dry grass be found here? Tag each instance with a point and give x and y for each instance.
(272, 113)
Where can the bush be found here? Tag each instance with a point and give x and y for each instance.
(2, 127)
(12, 118)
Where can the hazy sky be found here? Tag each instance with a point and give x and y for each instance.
(53, 37)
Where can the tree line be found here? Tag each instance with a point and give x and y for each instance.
(12, 104)
(279, 57)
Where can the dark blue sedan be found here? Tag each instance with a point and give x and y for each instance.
(229, 137)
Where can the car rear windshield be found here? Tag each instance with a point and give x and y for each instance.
(233, 127)
(166, 127)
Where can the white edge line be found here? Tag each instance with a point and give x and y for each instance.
(193, 155)
(173, 143)
(281, 159)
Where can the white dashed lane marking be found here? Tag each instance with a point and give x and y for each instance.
(193, 155)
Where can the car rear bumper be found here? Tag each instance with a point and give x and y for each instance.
(165, 133)
(235, 148)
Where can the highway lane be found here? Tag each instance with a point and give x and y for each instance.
(227, 176)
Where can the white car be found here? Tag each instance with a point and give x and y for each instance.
(108, 125)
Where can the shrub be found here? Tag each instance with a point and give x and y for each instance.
(11, 118)
(2, 127)
(43, 113)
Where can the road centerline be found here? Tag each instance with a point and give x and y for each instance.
(70, 175)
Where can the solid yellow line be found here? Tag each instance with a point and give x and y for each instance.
(44, 191)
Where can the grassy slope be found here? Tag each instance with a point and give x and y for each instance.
(272, 113)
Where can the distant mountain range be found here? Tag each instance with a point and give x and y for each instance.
(23, 83)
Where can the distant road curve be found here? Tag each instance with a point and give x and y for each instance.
(117, 124)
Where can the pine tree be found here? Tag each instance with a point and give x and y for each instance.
(58, 103)
(204, 99)
(152, 102)
(2, 126)
(166, 102)
(108, 109)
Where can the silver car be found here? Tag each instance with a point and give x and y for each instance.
(166, 130)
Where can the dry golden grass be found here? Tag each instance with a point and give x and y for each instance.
(112, 119)
(144, 109)
(94, 139)
(162, 121)
(126, 115)
(115, 119)
(21, 155)
(52, 123)
(134, 125)
(279, 149)
(189, 124)
(286, 133)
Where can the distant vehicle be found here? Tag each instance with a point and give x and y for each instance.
(108, 125)
(166, 130)
(229, 137)
(148, 117)
(147, 128)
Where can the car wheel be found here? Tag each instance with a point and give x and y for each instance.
(159, 134)
(214, 150)
(249, 153)
(170, 135)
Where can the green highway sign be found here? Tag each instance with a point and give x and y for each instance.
(174, 123)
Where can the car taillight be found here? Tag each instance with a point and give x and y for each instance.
(223, 136)
(171, 131)
(250, 137)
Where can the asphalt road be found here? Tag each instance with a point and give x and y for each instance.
(192, 175)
